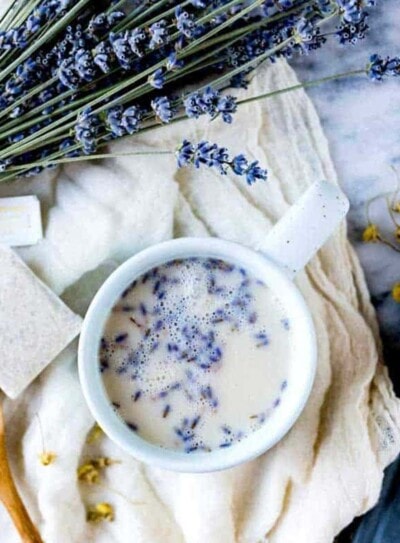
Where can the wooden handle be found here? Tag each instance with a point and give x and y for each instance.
(10, 497)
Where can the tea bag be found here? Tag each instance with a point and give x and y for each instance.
(35, 325)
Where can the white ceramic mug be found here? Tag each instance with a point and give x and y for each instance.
(287, 249)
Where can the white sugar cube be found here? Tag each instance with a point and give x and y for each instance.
(35, 325)
(20, 221)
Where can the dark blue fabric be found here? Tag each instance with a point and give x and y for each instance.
(382, 524)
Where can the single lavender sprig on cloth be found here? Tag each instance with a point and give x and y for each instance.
(213, 156)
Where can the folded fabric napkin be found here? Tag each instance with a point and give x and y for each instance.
(329, 467)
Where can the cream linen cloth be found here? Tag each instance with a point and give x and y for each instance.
(329, 468)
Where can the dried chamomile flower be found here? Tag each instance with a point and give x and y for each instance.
(87, 473)
(46, 458)
(103, 462)
(90, 471)
(99, 512)
(371, 233)
(397, 233)
(396, 207)
(95, 434)
(396, 293)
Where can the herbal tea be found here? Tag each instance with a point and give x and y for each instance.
(195, 354)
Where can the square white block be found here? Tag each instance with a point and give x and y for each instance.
(20, 221)
(35, 325)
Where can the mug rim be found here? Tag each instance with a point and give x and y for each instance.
(256, 442)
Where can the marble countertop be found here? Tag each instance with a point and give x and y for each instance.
(362, 122)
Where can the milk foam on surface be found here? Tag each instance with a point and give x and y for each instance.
(195, 355)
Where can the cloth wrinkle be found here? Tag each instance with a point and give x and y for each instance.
(285, 506)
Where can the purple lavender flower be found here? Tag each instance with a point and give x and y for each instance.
(324, 6)
(212, 103)
(98, 24)
(4, 164)
(379, 67)
(36, 19)
(354, 10)
(185, 153)
(350, 32)
(240, 165)
(122, 49)
(20, 110)
(173, 63)
(114, 121)
(162, 108)
(239, 81)
(158, 33)
(254, 172)
(213, 156)
(131, 119)
(101, 23)
(262, 339)
(208, 394)
(115, 17)
(102, 56)
(44, 97)
(157, 79)
(67, 74)
(305, 35)
(5, 40)
(184, 22)
(137, 39)
(185, 431)
(66, 145)
(226, 106)
(208, 101)
(86, 131)
(84, 65)
(132, 426)
(192, 107)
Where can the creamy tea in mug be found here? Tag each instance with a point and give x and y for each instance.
(195, 355)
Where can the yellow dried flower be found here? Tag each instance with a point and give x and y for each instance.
(99, 512)
(103, 462)
(397, 233)
(396, 293)
(95, 433)
(371, 233)
(396, 207)
(47, 458)
(88, 473)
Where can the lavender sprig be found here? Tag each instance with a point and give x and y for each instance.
(380, 67)
(213, 156)
(212, 103)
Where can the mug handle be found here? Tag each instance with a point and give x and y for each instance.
(305, 227)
